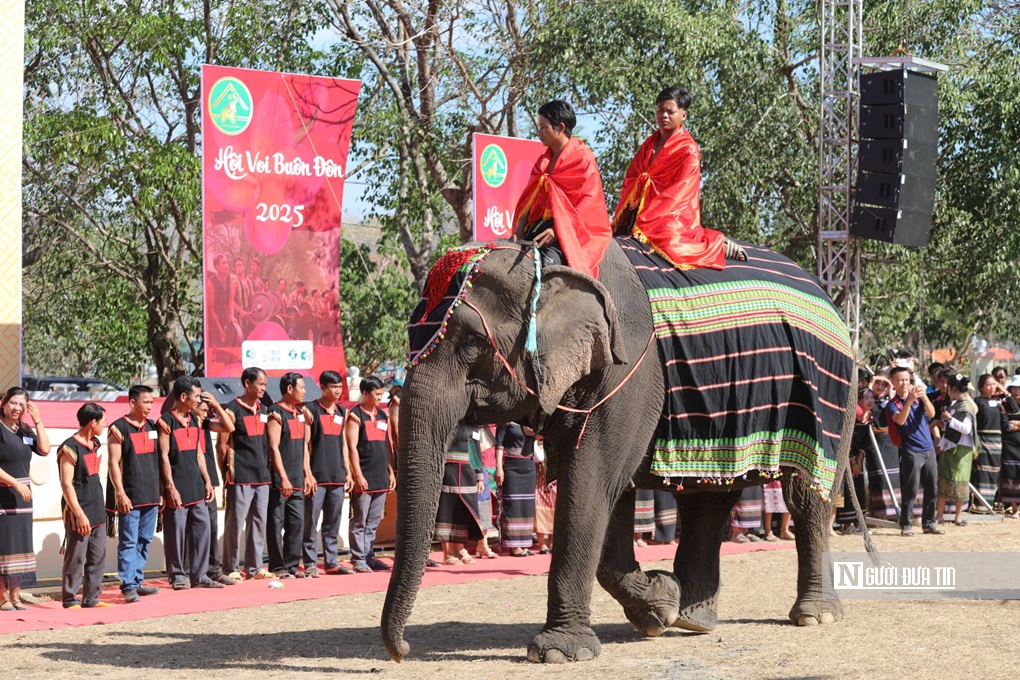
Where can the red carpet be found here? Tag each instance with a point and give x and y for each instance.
(52, 615)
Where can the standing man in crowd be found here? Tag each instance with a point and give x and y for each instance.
(133, 490)
(330, 467)
(245, 460)
(186, 490)
(84, 514)
(909, 410)
(223, 426)
(287, 437)
(368, 443)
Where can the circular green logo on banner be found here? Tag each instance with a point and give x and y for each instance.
(493, 164)
(230, 107)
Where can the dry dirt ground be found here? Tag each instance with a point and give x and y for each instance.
(481, 631)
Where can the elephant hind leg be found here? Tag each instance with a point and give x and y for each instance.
(811, 514)
(704, 518)
(651, 599)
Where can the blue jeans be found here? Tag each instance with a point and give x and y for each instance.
(136, 530)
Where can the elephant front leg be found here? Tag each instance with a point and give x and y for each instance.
(704, 518)
(582, 512)
(811, 515)
(651, 599)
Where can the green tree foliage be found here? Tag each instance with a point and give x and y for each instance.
(376, 298)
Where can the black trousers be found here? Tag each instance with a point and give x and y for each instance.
(918, 470)
(286, 530)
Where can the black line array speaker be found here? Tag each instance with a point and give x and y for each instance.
(894, 194)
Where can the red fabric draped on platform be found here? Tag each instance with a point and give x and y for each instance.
(572, 196)
(664, 191)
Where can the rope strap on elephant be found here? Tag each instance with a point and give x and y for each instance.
(756, 361)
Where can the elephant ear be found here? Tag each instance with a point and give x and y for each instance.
(578, 332)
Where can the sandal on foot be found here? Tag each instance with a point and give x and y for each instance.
(490, 555)
(739, 538)
(451, 560)
(907, 532)
(934, 530)
(961, 523)
(19, 606)
(771, 538)
(640, 543)
(787, 536)
(524, 552)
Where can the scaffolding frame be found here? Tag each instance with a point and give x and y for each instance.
(839, 253)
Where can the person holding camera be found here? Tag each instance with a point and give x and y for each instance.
(909, 411)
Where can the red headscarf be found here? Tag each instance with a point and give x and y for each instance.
(572, 196)
(665, 191)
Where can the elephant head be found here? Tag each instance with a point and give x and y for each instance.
(464, 378)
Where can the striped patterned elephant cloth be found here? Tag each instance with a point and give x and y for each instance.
(758, 368)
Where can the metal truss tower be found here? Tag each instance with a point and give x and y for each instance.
(839, 255)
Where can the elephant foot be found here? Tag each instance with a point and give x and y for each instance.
(698, 617)
(813, 612)
(661, 606)
(563, 644)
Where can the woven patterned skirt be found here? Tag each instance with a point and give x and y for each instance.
(747, 511)
(1009, 472)
(458, 519)
(517, 520)
(665, 517)
(545, 502)
(984, 473)
(17, 551)
(644, 511)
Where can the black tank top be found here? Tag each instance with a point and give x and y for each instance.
(87, 487)
(184, 443)
(248, 458)
(292, 444)
(373, 452)
(327, 431)
(139, 457)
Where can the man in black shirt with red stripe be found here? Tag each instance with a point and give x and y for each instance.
(133, 490)
(287, 437)
(330, 467)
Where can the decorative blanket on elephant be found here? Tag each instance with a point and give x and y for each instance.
(757, 365)
(445, 288)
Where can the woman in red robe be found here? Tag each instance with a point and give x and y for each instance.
(660, 201)
(563, 208)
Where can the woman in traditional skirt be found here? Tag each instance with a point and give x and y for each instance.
(1009, 473)
(515, 477)
(18, 442)
(457, 520)
(774, 504)
(956, 448)
(644, 516)
(545, 498)
(747, 515)
(881, 492)
(984, 474)
(665, 517)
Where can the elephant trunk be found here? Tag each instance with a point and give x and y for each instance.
(427, 423)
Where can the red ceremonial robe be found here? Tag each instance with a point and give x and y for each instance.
(572, 196)
(664, 191)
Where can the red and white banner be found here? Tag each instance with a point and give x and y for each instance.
(274, 157)
(502, 167)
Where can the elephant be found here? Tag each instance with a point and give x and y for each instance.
(574, 358)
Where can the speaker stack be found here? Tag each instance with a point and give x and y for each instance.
(898, 127)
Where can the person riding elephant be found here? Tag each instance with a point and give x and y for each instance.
(701, 381)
